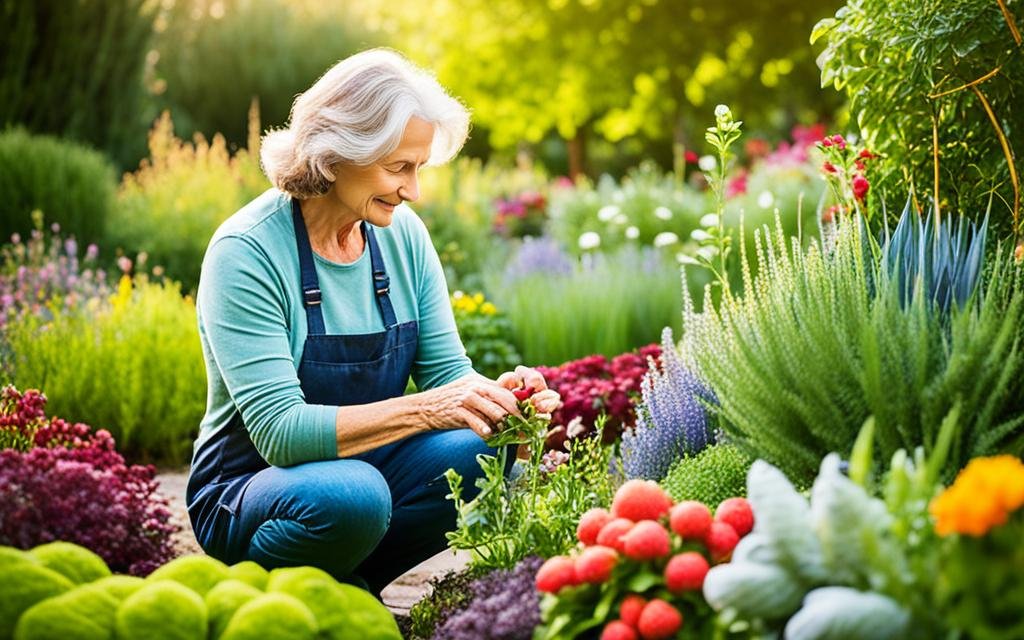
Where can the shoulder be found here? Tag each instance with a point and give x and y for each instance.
(262, 226)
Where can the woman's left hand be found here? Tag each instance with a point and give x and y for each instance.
(545, 400)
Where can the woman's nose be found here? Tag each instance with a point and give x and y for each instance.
(410, 189)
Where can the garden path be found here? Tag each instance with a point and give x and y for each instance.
(399, 596)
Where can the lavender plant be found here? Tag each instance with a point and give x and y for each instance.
(543, 255)
(671, 418)
(505, 606)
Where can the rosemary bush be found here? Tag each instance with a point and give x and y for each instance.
(811, 350)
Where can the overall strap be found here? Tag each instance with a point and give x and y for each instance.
(310, 283)
(381, 281)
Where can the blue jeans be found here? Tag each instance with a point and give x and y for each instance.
(375, 515)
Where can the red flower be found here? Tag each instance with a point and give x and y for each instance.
(839, 141)
(859, 165)
(860, 187)
(866, 155)
(826, 142)
(691, 157)
(828, 167)
(737, 185)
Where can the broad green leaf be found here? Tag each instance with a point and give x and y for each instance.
(755, 591)
(841, 613)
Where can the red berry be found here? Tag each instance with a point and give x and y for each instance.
(611, 533)
(591, 524)
(659, 621)
(595, 564)
(556, 573)
(690, 519)
(641, 500)
(736, 512)
(647, 540)
(630, 609)
(618, 630)
(686, 571)
(721, 540)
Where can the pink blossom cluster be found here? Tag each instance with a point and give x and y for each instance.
(594, 385)
(62, 481)
(521, 215)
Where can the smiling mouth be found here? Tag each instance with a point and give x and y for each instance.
(388, 204)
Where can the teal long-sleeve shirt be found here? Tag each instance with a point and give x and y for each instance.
(252, 323)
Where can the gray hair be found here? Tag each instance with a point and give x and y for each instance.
(356, 113)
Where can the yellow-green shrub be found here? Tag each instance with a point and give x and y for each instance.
(132, 365)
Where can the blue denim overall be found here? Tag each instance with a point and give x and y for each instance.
(374, 515)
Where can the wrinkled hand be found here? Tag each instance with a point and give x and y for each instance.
(525, 379)
(473, 401)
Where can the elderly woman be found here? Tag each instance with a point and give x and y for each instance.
(316, 303)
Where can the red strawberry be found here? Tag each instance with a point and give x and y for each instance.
(721, 540)
(659, 621)
(556, 573)
(618, 630)
(591, 524)
(522, 393)
(595, 564)
(630, 609)
(736, 512)
(611, 533)
(690, 519)
(686, 571)
(647, 540)
(641, 500)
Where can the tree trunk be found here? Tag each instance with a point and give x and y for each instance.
(578, 154)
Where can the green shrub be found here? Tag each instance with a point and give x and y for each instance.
(597, 308)
(171, 206)
(224, 600)
(250, 573)
(198, 573)
(75, 69)
(84, 613)
(162, 610)
(800, 362)
(132, 365)
(448, 594)
(711, 476)
(77, 564)
(272, 616)
(486, 334)
(72, 185)
(23, 584)
(120, 586)
(891, 57)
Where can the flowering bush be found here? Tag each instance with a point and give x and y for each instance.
(844, 170)
(62, 481)
(503, 605)
(641, 566)
(521, 215)
(671, 418)
(484, 332)
(593, 386)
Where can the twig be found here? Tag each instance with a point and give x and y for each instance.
(966, 86)
(1010, 22)
(935, 157)
(1009, 158)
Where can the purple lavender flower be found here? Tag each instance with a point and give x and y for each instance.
(71, 248)
(505, 606)
(671, 418)
(538, 255)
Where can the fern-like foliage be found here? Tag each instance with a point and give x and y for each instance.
(812, 349)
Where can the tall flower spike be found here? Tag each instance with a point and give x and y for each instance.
(671, 418)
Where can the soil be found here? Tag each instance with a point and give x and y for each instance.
(399, 596)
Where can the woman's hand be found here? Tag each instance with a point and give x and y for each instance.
(473, 401)
(545, 400)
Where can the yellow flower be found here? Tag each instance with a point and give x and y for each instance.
(488, 309)
(124, 293)
(985, 493)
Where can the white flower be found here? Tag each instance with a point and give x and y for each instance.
(620, 219)
(682, 258)
(721, 111)
(607, 212)
(707, 163)
(709, 220)
(575, 428)
(665, 238)
(700, 235)
(618, 196)
(589, 240)
(708, 252)
(632, 233)
(766, 199)
(663, 213)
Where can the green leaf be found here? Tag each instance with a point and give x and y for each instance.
(824, 26)
(861, 457)
(756, 591)
(841, 613)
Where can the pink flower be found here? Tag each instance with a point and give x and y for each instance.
(691, 157)
(737, 185)
(860, 187)
(839, 141)
(828, 167)
(124, 263)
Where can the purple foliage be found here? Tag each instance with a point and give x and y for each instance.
(671, 419)
(505, 606)
(62, 481)
(539, 255)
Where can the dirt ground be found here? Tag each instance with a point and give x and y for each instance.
(399, 596)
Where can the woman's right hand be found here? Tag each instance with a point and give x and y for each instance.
(473, 401)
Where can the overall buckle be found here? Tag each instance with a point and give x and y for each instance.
(382, 283)
(311, 297)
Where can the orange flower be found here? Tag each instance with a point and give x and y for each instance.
(985, 493)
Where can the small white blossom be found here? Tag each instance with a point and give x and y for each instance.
(607, 212)
(589, 240)
(700, 235)
(632, 233)
(707, 163)
(708, 252)
(766, 199)
(665, 238)
(663, 213)
(709, 220)
(619, 197)
(682, 258)
(620, 219)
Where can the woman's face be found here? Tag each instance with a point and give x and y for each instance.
(372, 192)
